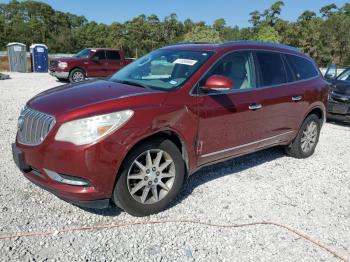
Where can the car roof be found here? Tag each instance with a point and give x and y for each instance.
(102, 48)
(202, 46)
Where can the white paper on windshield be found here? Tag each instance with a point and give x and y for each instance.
(182, 61)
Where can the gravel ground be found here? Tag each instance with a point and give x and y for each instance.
(311, 196)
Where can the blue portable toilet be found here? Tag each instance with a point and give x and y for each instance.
(40, 58)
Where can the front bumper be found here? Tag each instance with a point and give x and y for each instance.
(35, 162)
(59, 74)
(339, 111)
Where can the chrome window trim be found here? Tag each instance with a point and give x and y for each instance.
(193, 93)
(244, 145)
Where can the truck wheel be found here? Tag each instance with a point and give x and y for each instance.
(305, 142)
(76, 75)
(151, 177)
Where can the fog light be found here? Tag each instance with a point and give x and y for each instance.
(69, 180)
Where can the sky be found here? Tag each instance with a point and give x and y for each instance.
(235, 12)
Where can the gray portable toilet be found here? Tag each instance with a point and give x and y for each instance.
(17, 57)
(39, 58)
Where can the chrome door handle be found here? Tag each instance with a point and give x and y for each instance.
(296, 98)
(255, 106)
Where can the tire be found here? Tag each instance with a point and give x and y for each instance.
(143, 201)
(299, 147)
(76, 75)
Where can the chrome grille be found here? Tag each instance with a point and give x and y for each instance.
(33, 126)
(53, 63)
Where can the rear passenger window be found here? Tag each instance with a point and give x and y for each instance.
(113, 55)
(302, 67)
(272, 68)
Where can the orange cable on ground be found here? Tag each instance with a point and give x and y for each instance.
(108, 226)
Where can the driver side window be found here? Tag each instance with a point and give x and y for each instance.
(239, 67)
(100, 55)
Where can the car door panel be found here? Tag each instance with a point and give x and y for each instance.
(114, 61)
(227, 126)
(98, 67)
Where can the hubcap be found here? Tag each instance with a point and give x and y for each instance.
(309, 137)
(151, 176)
(78, 77)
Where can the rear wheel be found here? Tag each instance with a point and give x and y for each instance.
(76, 75)
(151, 177)
(305, 142)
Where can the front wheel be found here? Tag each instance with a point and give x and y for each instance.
(305, 142)
(151, 177)
(76, 75)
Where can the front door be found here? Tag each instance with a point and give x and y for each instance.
(229, 121)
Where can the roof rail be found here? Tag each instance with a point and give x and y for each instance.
(192, 43)
(269, 44)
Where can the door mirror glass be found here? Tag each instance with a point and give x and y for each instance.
(218, 83)
(331, 72)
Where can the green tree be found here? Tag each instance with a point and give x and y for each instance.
(202, 34)
(268, 34)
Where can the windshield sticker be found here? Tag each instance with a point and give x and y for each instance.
(173, 82)
(182, 61)
(93, 50)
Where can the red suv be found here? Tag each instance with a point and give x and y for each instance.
(134, 138)
(90, 62)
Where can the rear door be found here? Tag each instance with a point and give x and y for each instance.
(228, 123)
(281, 97)
(115, 62)
(98, 64)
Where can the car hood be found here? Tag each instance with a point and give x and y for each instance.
(70, 97)
(341, 87)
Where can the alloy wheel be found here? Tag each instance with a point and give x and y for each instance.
(78, 76)
(309, 137)
(151, 176)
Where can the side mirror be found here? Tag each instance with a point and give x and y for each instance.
(331, 72)
(218, 83)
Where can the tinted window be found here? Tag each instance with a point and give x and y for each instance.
(83, 53)
(302, 67)
(344, 76)
(100, 55)
(113, 55)
(238, 67)
(272, 68)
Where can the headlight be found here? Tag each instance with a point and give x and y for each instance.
(62, 65)
(88, 130)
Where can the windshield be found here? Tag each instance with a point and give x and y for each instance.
(83, 53)
(345, 75)
(162, 69)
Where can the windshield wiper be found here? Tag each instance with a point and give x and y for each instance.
(128, 82)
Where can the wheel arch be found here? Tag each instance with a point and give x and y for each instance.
(319, 110)
(166, 134)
